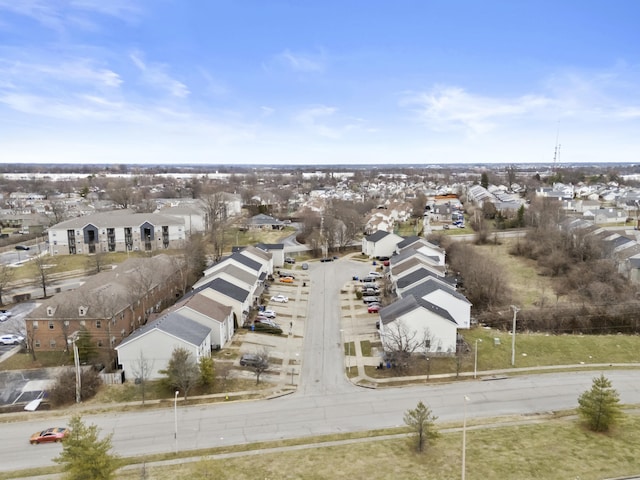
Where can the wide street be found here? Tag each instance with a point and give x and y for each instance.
(324, 403)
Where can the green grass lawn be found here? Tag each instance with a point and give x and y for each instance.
(505, 452)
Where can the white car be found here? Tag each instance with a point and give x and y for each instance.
(268, 313)
(11, 339)
(6, 313)
(375, 274)
(280, 299)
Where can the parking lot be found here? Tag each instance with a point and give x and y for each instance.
(285, 351)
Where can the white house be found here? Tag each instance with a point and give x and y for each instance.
(155, 342)
(380, 244)
(445, 296)
(211, 314)
(229, 294)
(432, 328)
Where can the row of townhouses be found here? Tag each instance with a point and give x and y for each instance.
(428, 308)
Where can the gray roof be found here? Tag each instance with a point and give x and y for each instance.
(228, 289)
(390, 313)
(176, 325)
(262, 219)
(243, 259)
(431, 285)
(414, 277)
(239, 273)
(379, 235)
(407, 241)
(112, 219)
(270, 246)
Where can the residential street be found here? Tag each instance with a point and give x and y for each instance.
(324, 403)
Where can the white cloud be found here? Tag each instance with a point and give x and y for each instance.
(155, 75)
(302, 63)
(445, 108)
(60, 15)
(266, 111)
(316, 120)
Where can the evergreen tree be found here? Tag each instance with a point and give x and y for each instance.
(421, 420)
(182, 371)
(84, 456)
(484, 180)
(600, 406)
(207, 372)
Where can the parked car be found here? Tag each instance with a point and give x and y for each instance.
(22, 247)
(267, 328)
(286, 279)
(267, 321)
(56, 434)
(286, 274)
(249, 360)
(7, 313)
(289, 260)
(305, 266)
(369, 279)
(280, 299)
(326, 259)
(371, 299)
(3, 318)
(11, 339)
(370, 291)
(374, 308)
(268, 314)
(375, 274)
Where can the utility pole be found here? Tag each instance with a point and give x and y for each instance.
(513, 335)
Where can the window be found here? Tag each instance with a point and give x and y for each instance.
(37, 343)
(82, 323)
(35, 324)
(66, 323)
(98, 324)
(82, 311)
(51, 325)
(50, 311)
(99, 343)
(52, 343)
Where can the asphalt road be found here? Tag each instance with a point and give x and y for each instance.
(325, 402)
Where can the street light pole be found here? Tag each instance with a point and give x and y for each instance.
(464, 437)
(513, 335)
(76, 361)
(475, 360)
(175, 418)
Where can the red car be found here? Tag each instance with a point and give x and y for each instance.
(56, 434)
(375, 308)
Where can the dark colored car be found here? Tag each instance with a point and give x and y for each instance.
(371, 299)
(290, 260)
(326, 259)
(56, 434)
(22, 247)
(249, 360)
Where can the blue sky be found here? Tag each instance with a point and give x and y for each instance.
(319, 82)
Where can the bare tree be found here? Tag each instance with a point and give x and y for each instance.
(6, 276)
(43, 273)
(215, 220)
(142, 369)
(400, 342)
(58, 211)
(122, 192)
(96, 261)
(262, 363)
